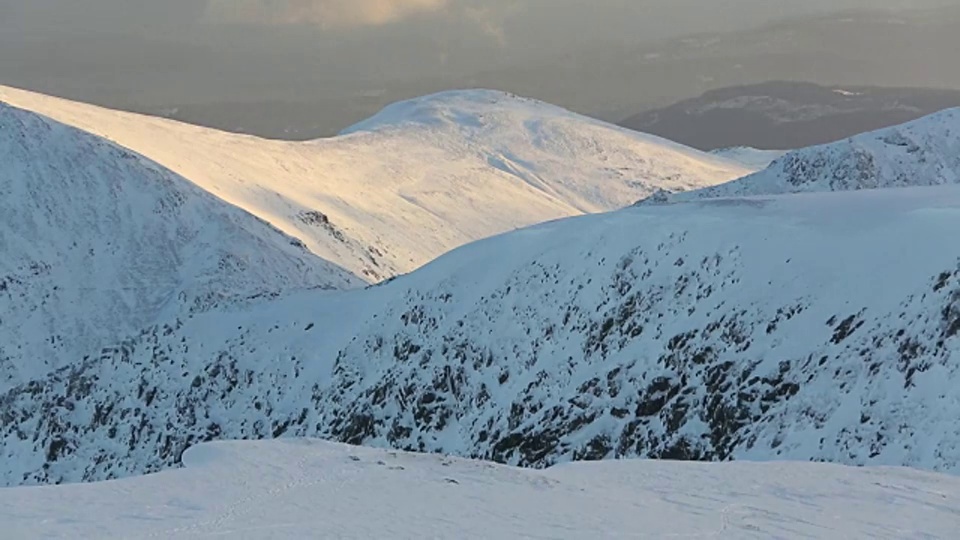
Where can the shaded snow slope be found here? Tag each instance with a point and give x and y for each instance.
(925, 152)
(98, 242)
(384, 201)
(808, 327)
(750, 157)
(311, 489)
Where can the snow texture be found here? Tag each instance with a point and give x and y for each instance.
(924, 152)
(417, 180)
(822, 327)
(98, 243)
(750, 157)
(311, 489)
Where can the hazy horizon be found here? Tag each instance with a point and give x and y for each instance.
(345, 58)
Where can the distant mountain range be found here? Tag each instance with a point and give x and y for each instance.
(784, 115)
(282, 91)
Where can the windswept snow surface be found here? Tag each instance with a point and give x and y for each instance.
(417, 180)
(925, 152)
(97, 243)
(806, 327)
(750, 157)
(311, 489)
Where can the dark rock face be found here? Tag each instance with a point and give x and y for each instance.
(716, 394)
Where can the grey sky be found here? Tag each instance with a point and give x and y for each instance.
(174, 52)
(496, 17)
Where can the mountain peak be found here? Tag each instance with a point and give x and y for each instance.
(99, 242)
(382, 202)
(923, 152)
(460, 107)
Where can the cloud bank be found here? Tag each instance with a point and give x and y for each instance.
(323, 13)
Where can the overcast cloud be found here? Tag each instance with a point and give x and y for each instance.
(579, 53)
(655, 16)
(322, 13)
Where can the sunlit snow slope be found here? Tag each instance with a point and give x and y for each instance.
(417, 180)
(97, 242)
(311, 489)
(750, 157)
(805, 327)
(924, 152)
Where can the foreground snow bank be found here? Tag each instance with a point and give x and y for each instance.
(313, 489)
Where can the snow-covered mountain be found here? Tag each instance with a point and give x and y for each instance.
(750, 157)
(98, 242)
(417, 180)
(925, 152)
(311, 489)
(806, 327)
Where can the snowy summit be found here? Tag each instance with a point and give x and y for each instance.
(99, 242)
(419, 179)
(924, 152)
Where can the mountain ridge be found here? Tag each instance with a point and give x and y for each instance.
(99, 242)
(923, 152)
(381, 203)
(805, 327)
